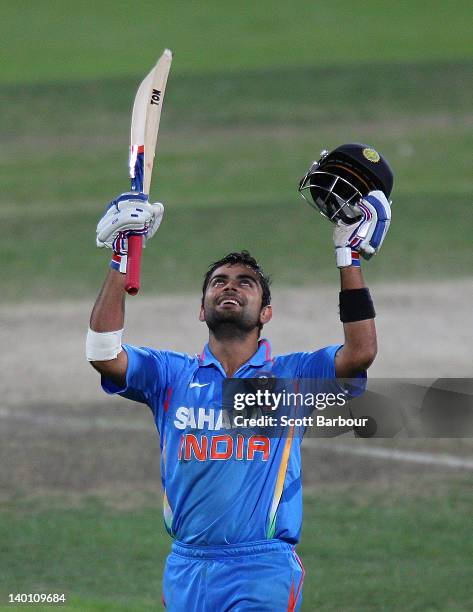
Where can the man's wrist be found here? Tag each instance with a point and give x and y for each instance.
(351, 278)
(118, 263)
(346, 257)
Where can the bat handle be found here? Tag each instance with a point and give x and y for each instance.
(133, 264)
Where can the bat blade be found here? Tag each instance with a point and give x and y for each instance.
(153, 114)
(145, 120)
(138, 115)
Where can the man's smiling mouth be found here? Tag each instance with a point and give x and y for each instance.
(229, 301)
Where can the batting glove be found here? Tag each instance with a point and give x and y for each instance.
(367, 235)
(127, 215)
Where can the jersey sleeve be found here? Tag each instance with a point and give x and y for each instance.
(321, 364)
(147, 376)
(318, 364)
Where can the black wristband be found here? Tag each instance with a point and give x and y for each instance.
(356, 305)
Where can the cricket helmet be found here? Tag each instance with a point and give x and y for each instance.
(338, 180)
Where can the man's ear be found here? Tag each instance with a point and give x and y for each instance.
(266, 314)
(202, 314)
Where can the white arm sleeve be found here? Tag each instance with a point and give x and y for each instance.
(103, 346)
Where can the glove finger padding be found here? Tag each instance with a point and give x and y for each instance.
(367, 235)
(147, 231)
(376, 205)
(130, 213)
(158, 212)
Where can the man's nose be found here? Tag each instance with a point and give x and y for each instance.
(230, 284)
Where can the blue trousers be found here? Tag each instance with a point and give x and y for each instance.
(263, 576)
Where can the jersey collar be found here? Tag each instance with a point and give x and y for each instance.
(259, 358)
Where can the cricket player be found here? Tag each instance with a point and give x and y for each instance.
(233, 503)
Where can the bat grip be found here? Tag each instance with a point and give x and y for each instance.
(132, 277)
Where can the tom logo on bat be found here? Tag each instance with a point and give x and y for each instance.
(155, 96)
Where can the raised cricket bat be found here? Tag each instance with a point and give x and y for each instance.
(144, 135)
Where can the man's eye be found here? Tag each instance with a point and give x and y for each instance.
(246, 282)
(218, 281)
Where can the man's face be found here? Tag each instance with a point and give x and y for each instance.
(233, 300)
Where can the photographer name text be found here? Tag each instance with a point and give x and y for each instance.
(306, 421)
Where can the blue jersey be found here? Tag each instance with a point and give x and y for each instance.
(221, 488)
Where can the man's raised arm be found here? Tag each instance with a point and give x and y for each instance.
(356, 307)
(105, 330)
(350, 186)
(130, 213)
(360, 346)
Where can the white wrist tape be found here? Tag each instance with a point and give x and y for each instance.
(102, 346)
(343, 257)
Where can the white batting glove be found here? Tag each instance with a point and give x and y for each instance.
(128, 214)
(367, 235)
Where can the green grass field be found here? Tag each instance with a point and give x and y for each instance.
(46, 40)
(362, 550)
(252, 99)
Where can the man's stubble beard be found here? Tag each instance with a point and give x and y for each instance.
(230, 324)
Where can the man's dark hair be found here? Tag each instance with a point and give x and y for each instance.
(245, 259)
